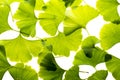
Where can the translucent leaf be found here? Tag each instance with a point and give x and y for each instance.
(26, 19)
(4, 12)
(108, 6)
(89, 54)
(72, 74)
(49, 70)
(4, 65)
(39, 4)
(53, 14)
(63, 44)
(8, 2)
(109, 35)
(78, 17)
(90, 42)
(20, 49)
(114, 67)
(99, 75)
(22, 72)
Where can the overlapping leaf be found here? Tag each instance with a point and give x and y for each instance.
(4, 65)
(99, 75)
(72, 3)
(63, 44)
(22, 72)
(114, 67)
(54, 12)
(72, 74)
(109, 6)
(26, 19)
(49, 70)
(8, 2)
(4, 12)
(78, 17)
(20, 49)
(109, 35)
(89, 54)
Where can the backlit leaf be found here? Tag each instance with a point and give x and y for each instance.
(49, 70)
(109, 35)
(78, 17)
(4, 12)
(63, 44)
(4, 65)
(114, 67)
(72, 74)
(20, 49)
(22, 72)
(52, 16)
(26, 19)
(99, 75)
(109, 6)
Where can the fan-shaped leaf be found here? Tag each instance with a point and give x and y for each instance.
(49, 70)
(53, 14)
(78, 17)
(72, 74)
(109, 6)
(109, 35)
(22, 72)
(26, 19)
(20, 49)
(4, 65)
(99, 75)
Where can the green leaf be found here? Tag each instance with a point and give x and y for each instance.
(99, 75)
(78, 17)
(109, 6)
(109, 35)
(54, 12)
(8, 2)
(4, 12)
(22, 72)
(39, 4)
(20, 49)
(72, 74)
(26, 19)
(63, 44)
(90, 42)
(114, 67)
(4, 65)
(89, 54)
(49, 70)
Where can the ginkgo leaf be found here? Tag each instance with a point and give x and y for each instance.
(90, 42)
(78, 17)
(109, 35)
(89, 54)
(39, 4)
(26, 19)
(4, 12)
(4, 65)
(49, 70)
(8, 2)
(20, 49)
(72, 74)
(22, 72)
(114, 67)
(109, 6)
(54, 12)
(99, 75)
(63, 44)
